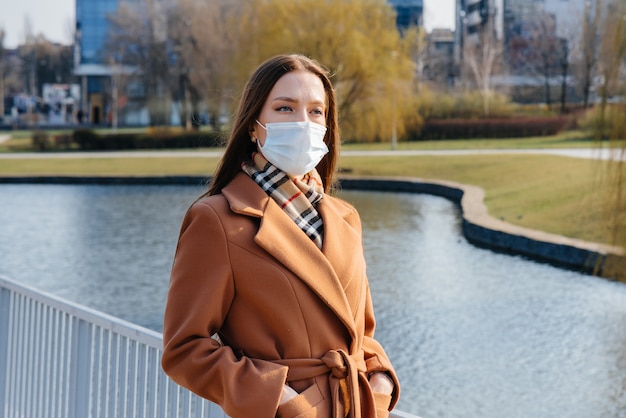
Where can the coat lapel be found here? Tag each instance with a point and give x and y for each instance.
(281, 237)
(343, 248)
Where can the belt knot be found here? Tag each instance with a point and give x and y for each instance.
(345, 369)
(336, 362)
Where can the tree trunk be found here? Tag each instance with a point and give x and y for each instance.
(564, 68)
(546, 79)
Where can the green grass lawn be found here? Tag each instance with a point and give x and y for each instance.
(555, 194)
(567, 139)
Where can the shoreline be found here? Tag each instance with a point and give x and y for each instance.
(482, 230)
(479, 228)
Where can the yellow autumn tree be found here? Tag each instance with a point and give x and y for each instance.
(356, 40)
(612, 67)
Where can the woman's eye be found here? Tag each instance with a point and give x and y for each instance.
(283, 109)
(318, 112)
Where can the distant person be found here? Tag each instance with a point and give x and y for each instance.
(269, 312)
(15, 117)
(79, 116)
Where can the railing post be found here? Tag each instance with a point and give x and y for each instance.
(5, 302)
(80, 367)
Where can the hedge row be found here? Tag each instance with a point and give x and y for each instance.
(491, 128)
(88, 140)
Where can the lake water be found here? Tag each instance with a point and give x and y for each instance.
(471, 333)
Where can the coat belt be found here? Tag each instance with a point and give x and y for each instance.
(344, 371)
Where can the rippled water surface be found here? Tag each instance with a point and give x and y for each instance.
(471, 333)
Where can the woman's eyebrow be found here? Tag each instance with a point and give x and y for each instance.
(284, 99)
(292, 100)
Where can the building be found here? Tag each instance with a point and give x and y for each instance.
(532, 37)
(561, 18)
(506, 18)
(568, 15)
(409, 12)
(439, 60)
(478, 23)
(539, 39)
(89, 60)
(477, 17)
(96, 70)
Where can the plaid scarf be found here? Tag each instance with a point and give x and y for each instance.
(296, 197)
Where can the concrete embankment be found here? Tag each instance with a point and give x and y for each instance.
(482, 230)
(479, 227)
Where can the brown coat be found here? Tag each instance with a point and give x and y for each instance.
(284, 310)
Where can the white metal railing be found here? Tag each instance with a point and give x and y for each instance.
(61, 359)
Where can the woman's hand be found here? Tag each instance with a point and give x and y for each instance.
(287, 395)
(381, 383)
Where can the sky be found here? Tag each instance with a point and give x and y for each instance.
(55, 18)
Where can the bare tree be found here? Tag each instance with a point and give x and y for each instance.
(1, 73)
(435, 59)
(121, 77)
(482, 55)
(181, 50)
(29, 59)
(590, 41)
(45, 62)
(184, 47)
(139, 37)
(201, 37)
(545, 53)
(612, 56)
(538, 52)
(612, 124)
(564, 59)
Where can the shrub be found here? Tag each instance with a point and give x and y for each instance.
(491, 128)
(40, 141)
(118, 141)
(86, 139)
(153, 139)
(602, 125)
(62, 141)
(463, 105)
(194, 139)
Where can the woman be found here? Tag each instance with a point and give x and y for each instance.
(273, 266)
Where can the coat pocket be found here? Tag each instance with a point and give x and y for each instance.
(382, 402)
(302, 406)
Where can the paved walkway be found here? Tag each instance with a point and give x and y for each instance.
(601, 153)
(594, 153)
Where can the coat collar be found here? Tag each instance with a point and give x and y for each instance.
(281, 237)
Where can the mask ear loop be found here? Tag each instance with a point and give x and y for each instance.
(257, 121)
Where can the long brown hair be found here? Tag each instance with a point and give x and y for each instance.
(240, 148)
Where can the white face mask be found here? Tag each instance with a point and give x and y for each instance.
(294, 147)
